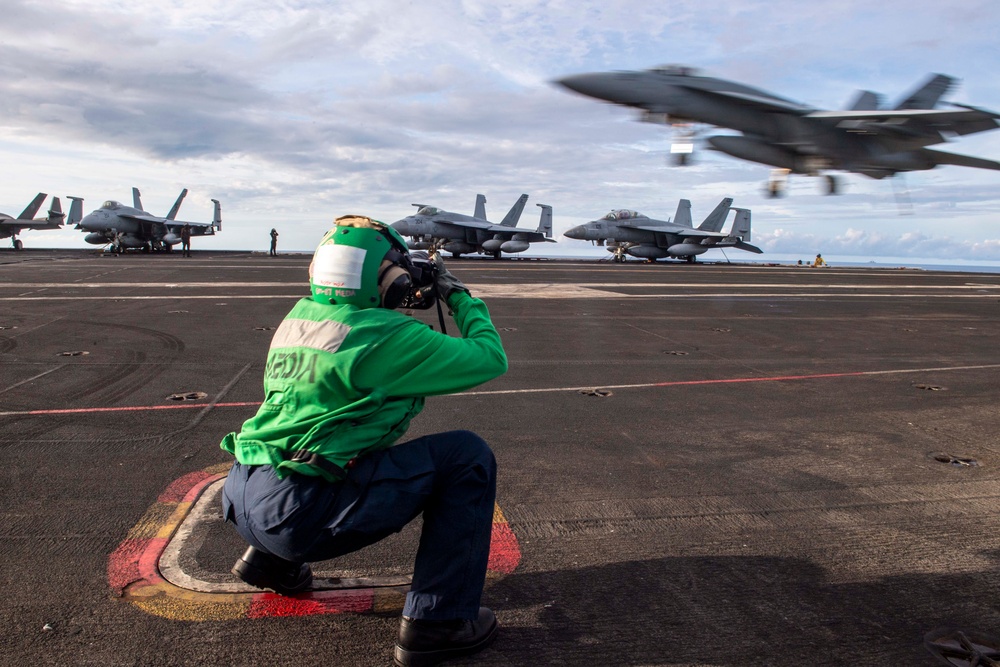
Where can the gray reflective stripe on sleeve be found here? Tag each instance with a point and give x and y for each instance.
(326, 336)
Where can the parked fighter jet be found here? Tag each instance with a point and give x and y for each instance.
(132, 227)
(459, 234)
(11, 227)
(629, 232)
(797, 138)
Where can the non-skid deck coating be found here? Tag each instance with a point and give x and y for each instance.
(780, 465)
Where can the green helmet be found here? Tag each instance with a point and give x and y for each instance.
(348, 263)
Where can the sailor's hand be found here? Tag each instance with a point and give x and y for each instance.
(446, 282)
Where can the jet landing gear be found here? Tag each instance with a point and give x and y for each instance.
(778, 183)
(832, 184)
(16, 243)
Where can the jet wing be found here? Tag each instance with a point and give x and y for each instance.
(530, 235)
(966, 120)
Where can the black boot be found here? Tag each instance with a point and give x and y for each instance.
(423, 643)
(263, 570)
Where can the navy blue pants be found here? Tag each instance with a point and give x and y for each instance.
(450, 477)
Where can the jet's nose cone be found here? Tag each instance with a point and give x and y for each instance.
(609, 86)
(579, 232)
(585, 84)
(401, 225)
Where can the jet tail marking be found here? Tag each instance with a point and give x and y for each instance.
(717, 218)
(514, 214)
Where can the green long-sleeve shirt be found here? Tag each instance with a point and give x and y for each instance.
(341, 381)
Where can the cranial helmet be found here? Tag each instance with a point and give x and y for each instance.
(360, 262)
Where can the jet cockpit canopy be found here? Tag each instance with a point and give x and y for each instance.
(676, 70)
(623, 214)
(429, 210)
(111, 204)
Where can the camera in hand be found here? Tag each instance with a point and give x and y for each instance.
(423, 274)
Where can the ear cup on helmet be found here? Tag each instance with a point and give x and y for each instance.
(394, 284)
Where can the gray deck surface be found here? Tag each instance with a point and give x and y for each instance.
(760, 486)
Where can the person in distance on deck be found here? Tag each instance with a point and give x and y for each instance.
(318, 470)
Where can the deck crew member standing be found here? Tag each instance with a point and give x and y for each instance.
(274, 242)
(186, 239)
(318, 473)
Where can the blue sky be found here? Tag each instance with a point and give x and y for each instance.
(293, 113)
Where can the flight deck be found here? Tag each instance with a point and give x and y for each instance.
(699, 464)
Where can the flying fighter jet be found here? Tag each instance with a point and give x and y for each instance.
(11, 227)
(459, 234)
(132, 227)
(793, 137)
(630, 232)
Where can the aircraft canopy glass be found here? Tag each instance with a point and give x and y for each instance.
(622, 214)
(676, 70)
(111, 204)
(428, 210)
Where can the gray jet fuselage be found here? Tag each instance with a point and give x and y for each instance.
(790, 135)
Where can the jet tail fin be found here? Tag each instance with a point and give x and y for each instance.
(866, 101)
(514, 214)
(56, 214)
(683, 215)
(717, 218)
(31, 209)
(75, 211)
(136, 199)
(480, 211)
(741, 225)
(928, 94)
(545, 220)
(177, 205)
(216, 217)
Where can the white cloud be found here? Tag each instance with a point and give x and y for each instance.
(294, 111)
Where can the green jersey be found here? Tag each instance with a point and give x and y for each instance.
(341, 381)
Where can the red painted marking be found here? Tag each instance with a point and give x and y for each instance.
(311, 604)
(767, 379)
(505, 552)
(179, 488)
(137, 561)
(123, 564)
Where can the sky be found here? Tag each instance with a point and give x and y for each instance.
(293, 113)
